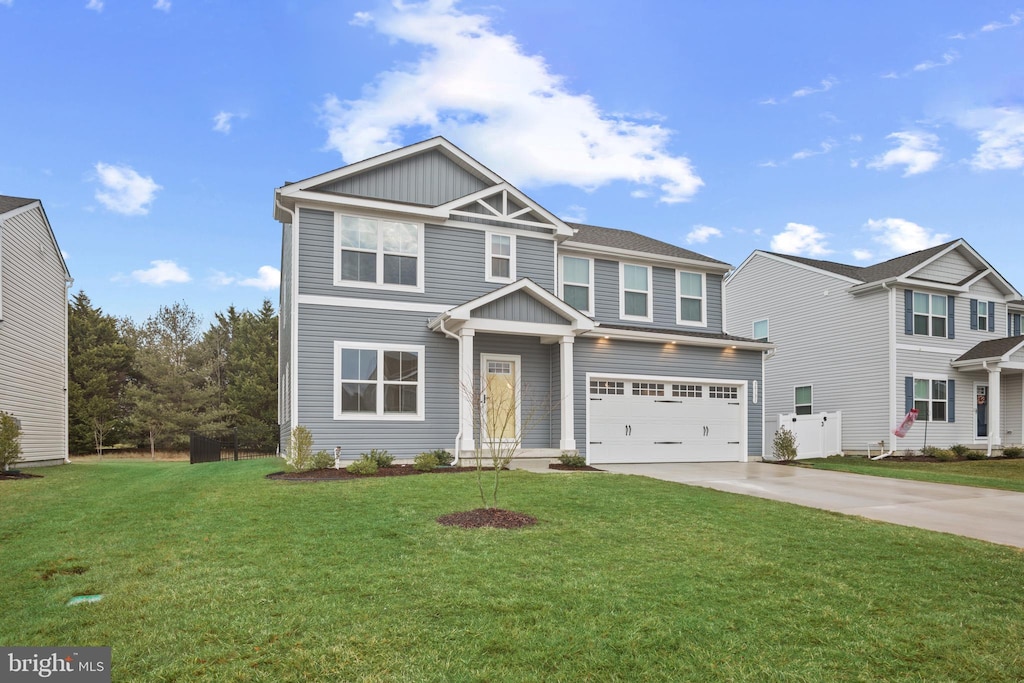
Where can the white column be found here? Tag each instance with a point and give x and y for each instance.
(467, 390)
(568, 435)
(995, 429)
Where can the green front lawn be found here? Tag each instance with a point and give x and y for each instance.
(998, 473)
(213, 573)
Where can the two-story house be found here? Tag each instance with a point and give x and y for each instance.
(419, 290)
(936, 330)
(33, 331)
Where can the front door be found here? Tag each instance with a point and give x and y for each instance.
(500, 398)
(981, 399)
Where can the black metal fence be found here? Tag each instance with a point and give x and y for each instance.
(228, 446)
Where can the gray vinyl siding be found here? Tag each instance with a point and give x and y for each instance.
(826, 338)
(454, 263)
(430, 178)
(952, 268)
(284, 351)
(1012, 407)
(519, 306)
(33, 334)
(964, 338)
(320, 327)
(942, 434)
(645, 358)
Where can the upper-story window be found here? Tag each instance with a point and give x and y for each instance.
(802, 401)
(1013, 326)
(635, 292)
(578, 283)
(692, 308)
(501, 257)
(983, 315)
(378, 253)
(761, 330)
(930, 314)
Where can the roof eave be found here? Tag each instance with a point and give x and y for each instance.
(657, 259)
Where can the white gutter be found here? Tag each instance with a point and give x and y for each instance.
(458, 437)
(293, 379)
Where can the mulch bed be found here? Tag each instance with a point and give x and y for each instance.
(392, 471)
(487, 517)
(19, 475)
(569, 468)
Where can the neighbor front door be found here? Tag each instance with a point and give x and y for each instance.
(499, 391)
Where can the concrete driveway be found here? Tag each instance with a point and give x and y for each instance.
(986, 514)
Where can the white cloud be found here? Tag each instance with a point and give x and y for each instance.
(361, 19)
(481, 90)
(769, 164)
(574, 214)
(800, 240)
(892, 74)
(862, 254)
(917, 151)
(7, 3)
(900, 236)
(1015, 19)
(826, 85)
(639, 194)
(769, 100)
(124, 191)
(162, 5)
(1001, 134)
(162, 273)
(222, 121)
(701, 234)
(268, 277)
(947, 59)
(95, 5)
(824, 148)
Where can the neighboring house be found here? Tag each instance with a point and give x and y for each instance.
(417, 280)
(937, 329)
(33, 330)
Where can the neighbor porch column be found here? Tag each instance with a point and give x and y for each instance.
(467, 390)
(568, 436)
(995, 429)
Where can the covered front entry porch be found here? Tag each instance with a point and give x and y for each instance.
(995, 370)
(515, 368)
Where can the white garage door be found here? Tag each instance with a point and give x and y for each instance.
(663, 421)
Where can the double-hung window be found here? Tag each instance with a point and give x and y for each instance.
(930, 399)
(761, 330)
(578, 283)
(380, 253)
(501, 257)
(690, 288)
(635, 295)
(930, 314)
(378, 381)
(802, 403)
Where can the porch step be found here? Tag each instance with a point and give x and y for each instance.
(538, 454)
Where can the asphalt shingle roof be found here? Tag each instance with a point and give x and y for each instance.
(993, 348)
(12, 203)
(632, 241)
(879, 271)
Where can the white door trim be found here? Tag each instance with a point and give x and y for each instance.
(974, 412)
(518, 365)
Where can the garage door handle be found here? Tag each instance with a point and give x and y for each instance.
(596, 399)
(662, 400)
(668, 442)
(734, 443)
(593, 443)
(734, 404)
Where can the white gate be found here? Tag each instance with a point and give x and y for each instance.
(818, 435)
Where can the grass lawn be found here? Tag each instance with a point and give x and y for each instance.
(213, 573)
(999, 473)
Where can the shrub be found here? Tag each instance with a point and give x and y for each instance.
(784, 445)
(425, 462)
(942, 454)
(322, 461)
(1012, 452)
(300, 450)
(572, 459)
(975, 455)
(930, 451)
(380, 458)
(443, 456)
(363, 465)
(10, 441)
(961, 450)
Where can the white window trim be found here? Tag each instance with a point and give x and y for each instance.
(489, 276)
(379, 284)
(753, 329)
(703, 300)
(983, 305)
(931, 378)
(380, 414)
(590, 285)
(795, 404)
(650, 293)
(930, 315)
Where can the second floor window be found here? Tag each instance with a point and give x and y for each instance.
(802, 403)
(929, 314)
(761, 330)
(378, 252)
(501, 260)
(636, 292)
(691, 298)
(576, 282)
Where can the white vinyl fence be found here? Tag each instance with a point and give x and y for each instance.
(817, 435)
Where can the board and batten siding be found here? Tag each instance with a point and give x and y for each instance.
(454, 263)
(33, 336)
(284, 351)
(825, 337)
(604, 356)
(429, 179)
(606, 298)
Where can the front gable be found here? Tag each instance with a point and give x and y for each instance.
(960, 266)
(520, 307)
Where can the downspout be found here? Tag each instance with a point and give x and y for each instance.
(293, 375)
(765, 357)
(458, 437)
(68, 284)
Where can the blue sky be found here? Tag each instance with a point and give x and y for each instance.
(155, 131)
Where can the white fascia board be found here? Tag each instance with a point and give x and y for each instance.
(579, 321)
(517, 327)
(910, 283)
(46, 221)
(983, 263)
(646, 258)
(482, 227)
(364, 204)
(936, 257)
(556, 224)
(669, 337)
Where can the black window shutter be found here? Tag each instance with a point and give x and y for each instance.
(951, 400)
(991, 316)
(908, 315)
(909, 390)
(974, 314)
(950, 317)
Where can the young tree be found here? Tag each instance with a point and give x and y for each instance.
(10, 441)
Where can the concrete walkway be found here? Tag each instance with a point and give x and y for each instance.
(986, 514)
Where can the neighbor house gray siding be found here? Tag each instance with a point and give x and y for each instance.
(454, 263)
(33, 336)
(519, 306)
(951, 268)
(600, 356)
(430, 178)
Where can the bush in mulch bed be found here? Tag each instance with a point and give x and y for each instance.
(391, 471)
(572, 468)
(487, 517)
